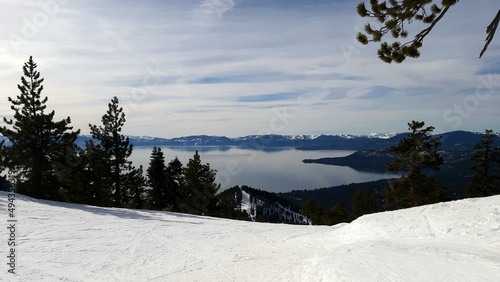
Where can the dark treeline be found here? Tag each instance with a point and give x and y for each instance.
(43, 161)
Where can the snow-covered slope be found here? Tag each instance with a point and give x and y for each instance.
(455, 241)
(266, 210)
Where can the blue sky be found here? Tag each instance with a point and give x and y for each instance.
(245, 67)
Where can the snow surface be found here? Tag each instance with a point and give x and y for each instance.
(382, 135)
(453, 241)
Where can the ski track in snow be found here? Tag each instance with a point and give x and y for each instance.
(453, 241)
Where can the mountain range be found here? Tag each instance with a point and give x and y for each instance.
(451, 141)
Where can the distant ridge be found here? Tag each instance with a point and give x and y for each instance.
(451, 141)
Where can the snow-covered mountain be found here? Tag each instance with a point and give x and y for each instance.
(452, 241)
(382, 135)
(456, 140)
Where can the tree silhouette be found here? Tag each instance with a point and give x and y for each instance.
(157, 180)
(414, 154)
(395, 14)
(486, 163)
(199, 189)
(108, 152)
(39, 145)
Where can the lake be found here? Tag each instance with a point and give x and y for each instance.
(275, 170)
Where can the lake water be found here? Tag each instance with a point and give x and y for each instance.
(277, 170)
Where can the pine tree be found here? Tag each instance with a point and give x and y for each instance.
(107, 153)
(175, 180)
(134, 188)
(311, 210)
(40, 145)
(413, 155)
(364, 203)
(157, 180)
(199, 189)
(75, 185)
(339, 213)
(394, 17)
(486, 164)
(92, 177)
(2, 164)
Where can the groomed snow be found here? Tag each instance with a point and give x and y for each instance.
(455, 241)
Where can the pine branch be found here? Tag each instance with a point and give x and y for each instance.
(490, 31)
(421, 35)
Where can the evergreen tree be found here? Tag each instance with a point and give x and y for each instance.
(157, 180)
(199, 189)
(486, 162)
(320, 216)
(395, 13)
(413, 155)
(2, 166)
(74, 189)
(311, 210)
(364, 203)
(95, 171)
(339, 213)
(175, 180)
(134, 189)
(326, 218)
(40, 145)
(107, 152)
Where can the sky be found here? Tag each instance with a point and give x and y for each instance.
(247, 67)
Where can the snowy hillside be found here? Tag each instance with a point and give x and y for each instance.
(455, 241)
(265, 210)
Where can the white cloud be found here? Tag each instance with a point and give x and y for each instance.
(209, 12)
